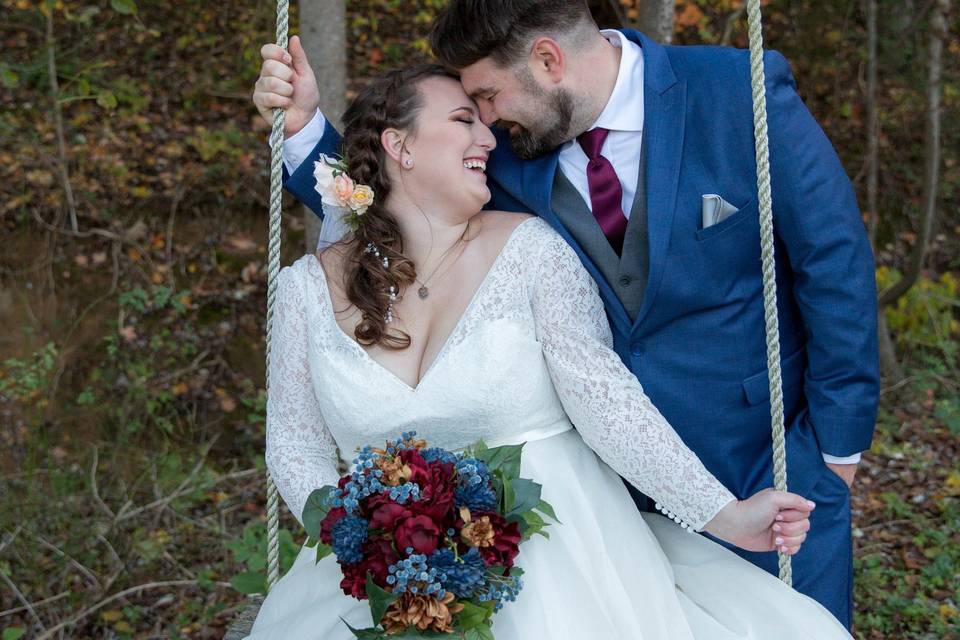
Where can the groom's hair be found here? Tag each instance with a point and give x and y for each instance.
(470, 30)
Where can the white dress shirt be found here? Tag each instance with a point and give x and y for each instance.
(622, 116)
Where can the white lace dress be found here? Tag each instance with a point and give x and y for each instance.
(530, 355)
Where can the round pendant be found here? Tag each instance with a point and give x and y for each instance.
(423, 292)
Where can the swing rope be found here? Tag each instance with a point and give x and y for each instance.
(757, 79)
(758, 83)
(273, 269)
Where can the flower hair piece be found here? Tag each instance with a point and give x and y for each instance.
(337, 189)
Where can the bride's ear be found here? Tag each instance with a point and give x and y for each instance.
(392, 141)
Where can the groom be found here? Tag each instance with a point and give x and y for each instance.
(642, 157)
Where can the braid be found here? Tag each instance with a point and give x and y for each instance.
(393, 100)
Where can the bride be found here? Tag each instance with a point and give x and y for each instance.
(460, 324)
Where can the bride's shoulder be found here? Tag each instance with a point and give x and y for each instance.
(500, 226)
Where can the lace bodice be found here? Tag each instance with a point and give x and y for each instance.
(532, 350)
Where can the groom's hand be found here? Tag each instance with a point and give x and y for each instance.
(286, 81)
(846, 472)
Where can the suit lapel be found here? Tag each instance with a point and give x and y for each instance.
(537, 187)
(664, 117)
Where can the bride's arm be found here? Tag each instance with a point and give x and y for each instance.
(301, 453)
(616, 418)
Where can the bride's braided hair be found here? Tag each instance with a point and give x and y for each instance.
(391, 100)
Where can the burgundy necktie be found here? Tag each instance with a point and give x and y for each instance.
(606, 193)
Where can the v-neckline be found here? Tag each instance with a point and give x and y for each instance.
(447, 341)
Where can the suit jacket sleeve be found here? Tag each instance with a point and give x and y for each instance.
(817, 219)
(301, 183)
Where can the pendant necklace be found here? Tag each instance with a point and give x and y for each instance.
(424, 291)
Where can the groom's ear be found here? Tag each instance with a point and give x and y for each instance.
(547, 60)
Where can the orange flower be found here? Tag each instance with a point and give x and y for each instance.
(421, 611)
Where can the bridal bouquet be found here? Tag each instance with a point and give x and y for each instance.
(429, 536)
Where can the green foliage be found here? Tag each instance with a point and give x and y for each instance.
(29, 379)
(926, 316)
(250, 549)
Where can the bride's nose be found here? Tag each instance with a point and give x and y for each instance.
(486, 139)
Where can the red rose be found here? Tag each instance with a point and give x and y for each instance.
(386, 515)
(418, 532)
(326, 525)
(436, 494)
(506, 540)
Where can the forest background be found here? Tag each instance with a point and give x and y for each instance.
(133, 206)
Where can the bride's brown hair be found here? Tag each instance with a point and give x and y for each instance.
(392, 100)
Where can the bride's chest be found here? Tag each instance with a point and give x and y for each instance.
(489, 378)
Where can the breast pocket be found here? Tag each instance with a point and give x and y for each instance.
(747, 212)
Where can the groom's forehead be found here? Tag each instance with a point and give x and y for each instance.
(482, 77)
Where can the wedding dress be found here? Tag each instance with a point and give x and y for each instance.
(530, 355)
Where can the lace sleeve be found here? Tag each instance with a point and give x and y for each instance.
(604, 400)
(301, 453)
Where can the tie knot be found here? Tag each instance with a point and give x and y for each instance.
(592, 141)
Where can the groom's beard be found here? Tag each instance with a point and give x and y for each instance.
(553, 127)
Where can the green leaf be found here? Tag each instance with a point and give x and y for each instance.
(472, 615)
(249, 582)
(370, 633)
(126, 7)
(13, 633)
(547, 510)
(483, 632)
(379, 599)
(316, 510)
(506, 457)
(526, 496)
(323, 550)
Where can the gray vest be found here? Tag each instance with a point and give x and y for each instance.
(627, 274)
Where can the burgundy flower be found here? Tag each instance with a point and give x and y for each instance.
(326, 525)
(419, 532)
(506, 540)
(436, 494)
(378, 555)
(354, 581)
(385, 514)
(418, 466)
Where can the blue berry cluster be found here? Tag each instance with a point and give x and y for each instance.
(436, 453)
(413, 575)
(405, 492)
(349, 534)
(364, 482)
(502, 589)
(463, 576)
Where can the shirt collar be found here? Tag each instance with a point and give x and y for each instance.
(624, 109)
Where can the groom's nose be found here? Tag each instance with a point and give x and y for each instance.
(488, 115)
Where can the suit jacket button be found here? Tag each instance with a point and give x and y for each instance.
(625, 281)
(636, 349)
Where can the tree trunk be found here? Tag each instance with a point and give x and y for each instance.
(323, 29)
(931, 165)
(656, 19)
(652, 17)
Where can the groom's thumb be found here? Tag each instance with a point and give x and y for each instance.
(300, 63)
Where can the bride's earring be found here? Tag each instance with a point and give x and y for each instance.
(408, 163)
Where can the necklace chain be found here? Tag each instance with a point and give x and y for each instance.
(423, 291)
